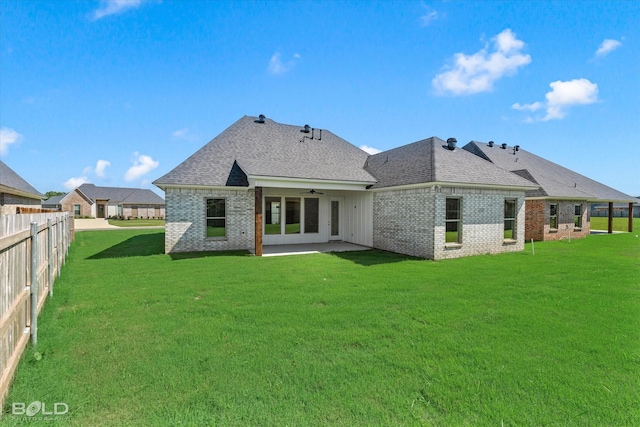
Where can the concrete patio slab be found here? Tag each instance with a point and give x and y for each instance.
(311, 248)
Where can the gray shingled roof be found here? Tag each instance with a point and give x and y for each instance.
(554, 180)
(430, 160)
(118, 195)
(270, 149)
(10, 179)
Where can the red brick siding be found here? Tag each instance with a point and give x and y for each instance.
(537, 220)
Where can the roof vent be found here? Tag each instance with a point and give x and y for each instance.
(503, 146)
(261, 118)
(306, 129)
(490, 144)
(451, 143)
(517, 148)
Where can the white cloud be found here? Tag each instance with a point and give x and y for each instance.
(142, 165)
(113, 7)
(277, 67)
(607, 46)
(476, 73)
(72, 183)
(528, 107)
(8, 136)
(562, 96)
(100, 167)
(184, 134)
(429, 16)
(370, 150)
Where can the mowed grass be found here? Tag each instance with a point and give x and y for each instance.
(619, 224)
(137, 222)
(135, 337)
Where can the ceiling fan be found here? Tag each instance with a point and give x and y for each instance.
(312, 191)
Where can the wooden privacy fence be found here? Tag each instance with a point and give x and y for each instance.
(33, 248)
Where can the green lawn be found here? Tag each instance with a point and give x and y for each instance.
(135, 337)
(619, 224)
(137, 222)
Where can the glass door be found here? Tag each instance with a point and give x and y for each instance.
(335, 232)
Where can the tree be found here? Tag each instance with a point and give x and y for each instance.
(50, 194)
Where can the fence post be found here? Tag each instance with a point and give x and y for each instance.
(58, 245)
(34, 283)
(50, 253)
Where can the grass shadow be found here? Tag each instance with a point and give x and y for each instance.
(177, 256)
(373, 257)
(140, 245)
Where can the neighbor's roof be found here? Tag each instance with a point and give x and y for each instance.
(270, 149)
(429, 160)
(53, 200)
(11, 182)
(117, 195)
(554, 181)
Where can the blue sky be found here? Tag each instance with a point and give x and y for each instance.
(119, 92)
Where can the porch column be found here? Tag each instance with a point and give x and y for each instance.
(630, 217)
(610, 228)
(258, 224)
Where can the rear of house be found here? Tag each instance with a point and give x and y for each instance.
(265, 183)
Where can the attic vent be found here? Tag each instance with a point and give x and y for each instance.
(306, 129)
(490, 144)
(261, 118)
(451, 143)
(503, 146)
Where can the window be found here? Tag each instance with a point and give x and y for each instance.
(216, 218)
(311, 217)
(553, 216)
(76, 210)
(577, 216)
(510, 219)
(452, 221)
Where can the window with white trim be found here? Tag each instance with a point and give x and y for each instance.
(453, 223)
(76, 210)
(216, 218)
(510, 219)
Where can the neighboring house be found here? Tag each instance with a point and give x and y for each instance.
(106, 202)
(559, 206)
(15, 192)
(53, 203)
(261, 182)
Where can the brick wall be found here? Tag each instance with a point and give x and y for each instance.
(186, 220)
(482, 222)
(412, 222)
(403, 221)
(9, 203)
(143, 211)
(538, 220)
(73, 198)
(535, 219)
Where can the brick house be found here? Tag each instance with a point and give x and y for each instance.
(105, 202)
(560, 205)
(15, 192)
(265, 183)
